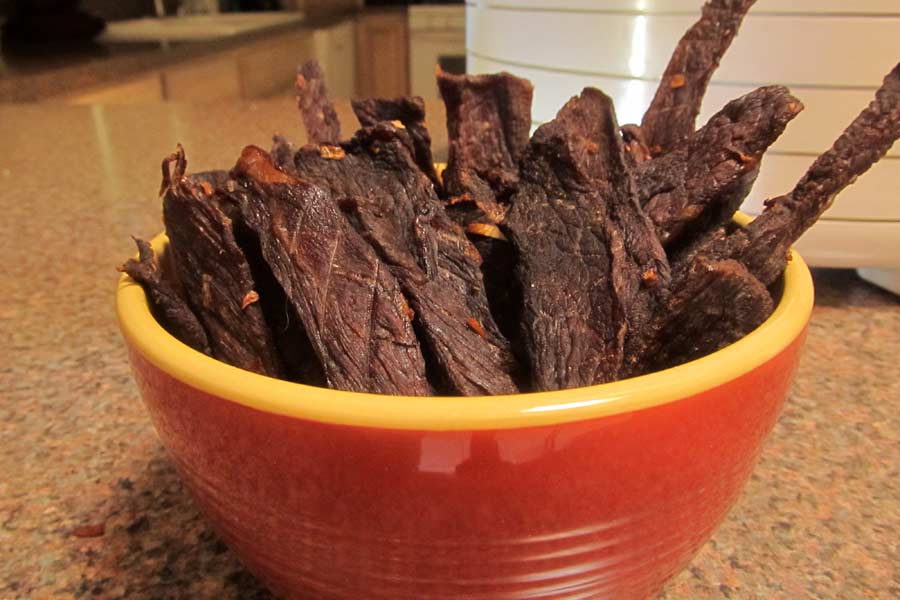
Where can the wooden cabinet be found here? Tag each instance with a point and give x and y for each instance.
(143, 89)
(382, 54)
(214, 78)
(335, 49)
(269, 67)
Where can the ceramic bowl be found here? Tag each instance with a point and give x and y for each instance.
(604, 491)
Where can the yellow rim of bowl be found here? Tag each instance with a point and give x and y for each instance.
(197, 370)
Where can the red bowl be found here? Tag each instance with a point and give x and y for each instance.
(604, 491)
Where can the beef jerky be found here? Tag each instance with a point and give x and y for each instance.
(214, 273)
(718, 303)
(763, 246)
(319, 117)
(283, 154)
(675, 106)
(408, 112)
(488, 121)
(301, 363)
(504, 294)
(393, 204)
(216, 179)
(351, 306)
(169, 307)
(635, 145)
(299, 360)
(703, 180)
(590, 265)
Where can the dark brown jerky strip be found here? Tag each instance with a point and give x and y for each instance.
(635, 145)
(351, 306)
(488, 121)
(504, 294)
(283, 154)
(319, 117)
(410, 112)
(301, 363)
(213, 272)
(393, 204)
(763, 245)
(170, 308)
(590, 265)
(674, 109)
(215, 179)
(702, 181)
(718, 303)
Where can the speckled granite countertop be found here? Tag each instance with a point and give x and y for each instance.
(91, 507)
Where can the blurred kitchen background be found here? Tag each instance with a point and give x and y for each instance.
(136, 51)
(831, 53)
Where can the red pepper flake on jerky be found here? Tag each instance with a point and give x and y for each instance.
(702, 181)
(173, 311)
(319, 117)
(410, 113)
(590, 265)
(394, 206)
(212, 270)
(764, 244)
(674, 109)
(351, 306)
(488, 121)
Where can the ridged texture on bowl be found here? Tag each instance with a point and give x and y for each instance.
(609, 507)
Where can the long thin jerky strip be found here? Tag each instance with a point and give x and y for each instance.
(718, 303)
(169, 307)
(214, 273)
(704, 179)
(764, 244)
(674, 109)
(410, 113)
(319, 117)
(488, 122)
(393, 204)
(351, 306)
(590, 265)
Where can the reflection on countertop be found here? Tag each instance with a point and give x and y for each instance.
(47, 72)
(819, 517)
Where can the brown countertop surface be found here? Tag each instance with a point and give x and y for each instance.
(820, 517)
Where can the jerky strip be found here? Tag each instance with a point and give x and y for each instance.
(410, 112)
(718, 303)
(635, 145)
(763, 246)
(301, 363)
(283, 154)
(349, 303)
(319, 117)
(705, 178)
(504, 294)
(488, 121)
(675, 106)
(214, 273)
(590, 265)
(391, 202)
(170, 308)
